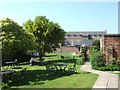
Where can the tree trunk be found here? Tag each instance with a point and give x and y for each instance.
(41, 54)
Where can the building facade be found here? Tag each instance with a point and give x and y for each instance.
(77, 38)
(73, 40)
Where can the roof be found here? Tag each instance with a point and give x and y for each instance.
(85, 42)
(112, 35)
(86, 32)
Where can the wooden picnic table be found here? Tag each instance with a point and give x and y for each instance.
(11, 63)
(7, 74)
(61, 67)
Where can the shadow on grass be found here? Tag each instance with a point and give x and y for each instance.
(50, 55)
(85, 72)
(49, 61)
(17, 67)
(34, 77)
(25, 63)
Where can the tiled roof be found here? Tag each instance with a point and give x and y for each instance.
(86, 32)
(85, 42)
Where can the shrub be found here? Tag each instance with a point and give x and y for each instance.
(79, 62)
(116, 61)
(24, 58)
(109, 68)
(83, 53)
(97, 59)
(101, 68)
(96, 43)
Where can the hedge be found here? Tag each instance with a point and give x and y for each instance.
(97, 59)
(108, 68)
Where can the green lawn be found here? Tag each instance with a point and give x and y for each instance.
(57, 56)
(36, 77)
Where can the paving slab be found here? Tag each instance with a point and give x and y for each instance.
(112, 81)
(102, 81)
(105, 81)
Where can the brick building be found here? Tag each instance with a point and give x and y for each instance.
(73, 40)
(111, 47)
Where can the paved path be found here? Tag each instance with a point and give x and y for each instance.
(106, 80)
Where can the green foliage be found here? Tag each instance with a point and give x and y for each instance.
(4, 86)
(46, 34)
(96, 44)
(109, 68)
(97, 59)
(83, 53)
(79, 62)
(116, 61)
(23, 57)
(14, 39)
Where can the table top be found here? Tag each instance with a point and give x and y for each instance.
(10, 62)
(7, 71)
(61, 64)
(38, 61)
(68, 57)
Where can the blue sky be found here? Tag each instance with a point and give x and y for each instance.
(75, 16)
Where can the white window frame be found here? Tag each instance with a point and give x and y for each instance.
(78, 36)
(78, 41)
(71, 42)
(65, 42)
(71, 36)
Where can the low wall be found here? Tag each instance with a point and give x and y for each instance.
(68, 49)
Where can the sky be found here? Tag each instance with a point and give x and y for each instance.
(71, 16)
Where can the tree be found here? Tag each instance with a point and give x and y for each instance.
(47, 34)
(96, 44)
(14, 39)
(84, 53)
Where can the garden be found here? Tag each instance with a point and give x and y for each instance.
(36, 76)
(49, 69)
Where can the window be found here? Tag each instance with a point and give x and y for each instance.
(71, 42)
(74, 35)
(71, 36)
(65, 42)
(89, 36)
(77, 36)
(100, 35)
(77, 41)
(66, 36)
(95, 35)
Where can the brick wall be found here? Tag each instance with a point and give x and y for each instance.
(112, 40)
(75, 38)
(66, 49)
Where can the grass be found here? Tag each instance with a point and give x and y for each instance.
(37, 77)
(57, 56)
